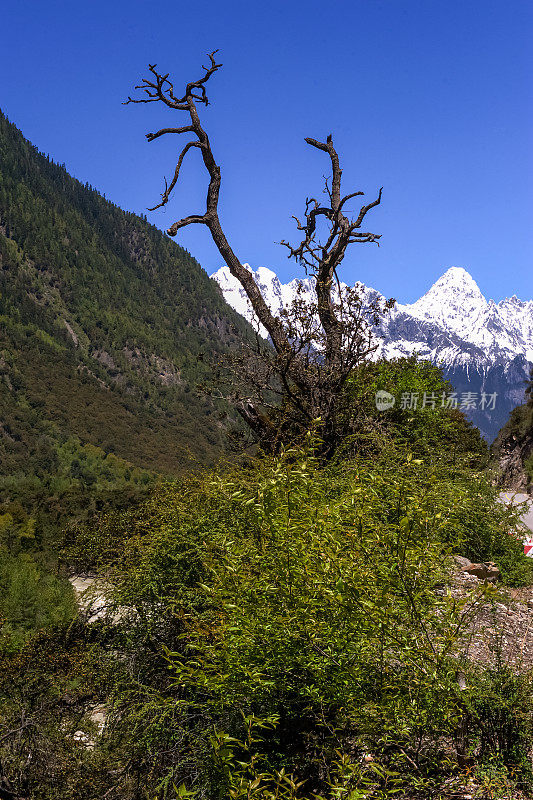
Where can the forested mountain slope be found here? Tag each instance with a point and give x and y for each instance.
(106, 327)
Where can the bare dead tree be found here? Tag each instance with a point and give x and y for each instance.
(311, 360)
(273, 406)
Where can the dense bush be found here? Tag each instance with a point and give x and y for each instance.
(303, 613)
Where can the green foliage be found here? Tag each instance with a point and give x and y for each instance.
(106, 327)
(32, 599)
(500, 698)
(520, 422)
(310, 600)
(32, 596)
(428, 428)
(283, 628)
(46, 691)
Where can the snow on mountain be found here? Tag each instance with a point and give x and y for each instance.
(454, 302)
(277, 295)
(465, 326)
(482, 345)
(456, 306)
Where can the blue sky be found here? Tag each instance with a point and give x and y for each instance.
(431, 99)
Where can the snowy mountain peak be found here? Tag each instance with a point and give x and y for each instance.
(276, 294)
(458, 276)
(454, 301)
(458, 282)
(264, 274)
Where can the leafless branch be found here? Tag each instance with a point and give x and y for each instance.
(159, 88)
(182, 223)
(168, 189)
(163, 131)
(316, 346)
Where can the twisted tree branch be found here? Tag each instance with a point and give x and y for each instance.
(168, 189)
(308, 384)
(160, 88)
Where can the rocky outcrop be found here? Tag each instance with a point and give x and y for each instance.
(513, 451)
(93, 595)
(512, 456)
(73, 335)
(155, 367)
(94, 723)
(502, 626)
(486, 570)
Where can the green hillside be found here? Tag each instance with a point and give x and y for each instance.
(106, 327)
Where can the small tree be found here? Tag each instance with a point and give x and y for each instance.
(315, 347)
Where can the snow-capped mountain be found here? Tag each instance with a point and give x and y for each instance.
(483, 346)
(277, 295)
(455, 305)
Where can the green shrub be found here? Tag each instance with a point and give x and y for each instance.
(31, 599)
(312, 595)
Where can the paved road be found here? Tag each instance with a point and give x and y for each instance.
(518, 497)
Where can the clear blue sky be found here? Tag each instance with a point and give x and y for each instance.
(431, 99)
